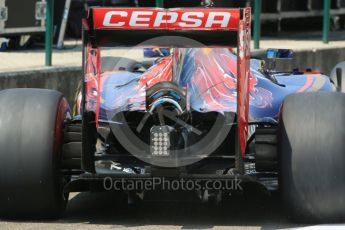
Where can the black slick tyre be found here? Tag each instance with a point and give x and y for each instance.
(312, 156)
(31, 124)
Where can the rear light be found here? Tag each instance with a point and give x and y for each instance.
(160, 141)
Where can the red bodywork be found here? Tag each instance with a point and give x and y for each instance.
(171, 19)
(243, 78)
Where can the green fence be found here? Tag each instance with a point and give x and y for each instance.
(49, 31)
(160, 3)
(326, 13)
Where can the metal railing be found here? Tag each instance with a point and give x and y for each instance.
(49, 32)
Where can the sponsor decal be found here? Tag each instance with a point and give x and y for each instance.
(173, 19)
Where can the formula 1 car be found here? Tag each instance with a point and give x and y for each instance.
(203, 113)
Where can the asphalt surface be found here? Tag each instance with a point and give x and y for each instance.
(107, 211)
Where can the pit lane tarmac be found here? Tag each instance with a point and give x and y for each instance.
(109, 211)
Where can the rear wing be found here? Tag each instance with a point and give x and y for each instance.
(128, 27)
(145, 27)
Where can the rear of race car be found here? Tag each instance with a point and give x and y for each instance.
(176, 122)
(180, 117)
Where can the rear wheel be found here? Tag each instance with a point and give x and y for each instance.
(337, 76)
(31, 124)
(312, 156)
